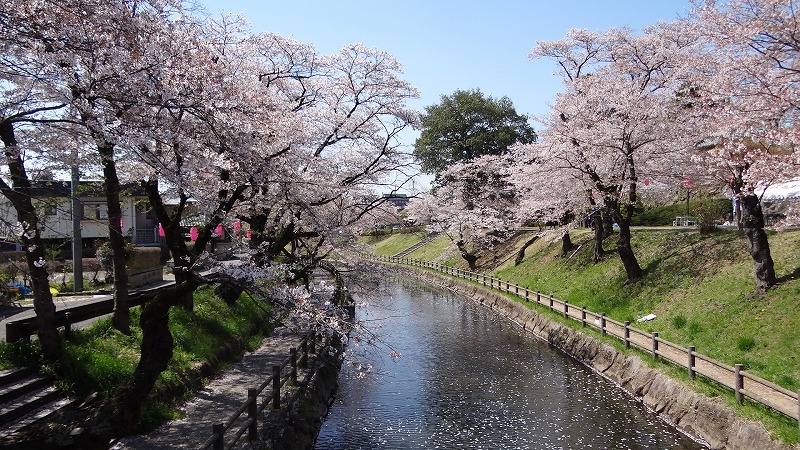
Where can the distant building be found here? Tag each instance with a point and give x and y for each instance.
(400, 201)
(52, 200)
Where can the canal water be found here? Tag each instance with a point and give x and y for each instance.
(467, 378)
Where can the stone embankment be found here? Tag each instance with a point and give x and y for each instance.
(708, 420)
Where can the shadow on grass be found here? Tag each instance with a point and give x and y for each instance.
(789, 276)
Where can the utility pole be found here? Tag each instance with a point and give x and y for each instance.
(77, 239)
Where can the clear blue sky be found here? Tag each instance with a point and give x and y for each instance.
(446, 45)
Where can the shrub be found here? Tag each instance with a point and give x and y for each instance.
(708, 211)
(106, 257)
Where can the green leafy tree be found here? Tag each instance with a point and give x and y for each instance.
(466, 125)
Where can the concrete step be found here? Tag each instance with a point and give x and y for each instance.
(28, 403)
(14, 375)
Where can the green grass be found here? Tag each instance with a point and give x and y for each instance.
(102, 359)
(393, 244)
(437, 249)
(699, 286)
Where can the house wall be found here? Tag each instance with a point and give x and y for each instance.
(56, 218)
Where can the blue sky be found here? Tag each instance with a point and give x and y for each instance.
(446, 45)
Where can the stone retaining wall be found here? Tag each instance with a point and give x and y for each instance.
(708, 420)
(297, 426)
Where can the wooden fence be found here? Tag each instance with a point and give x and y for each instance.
(734, 377)
(281, 374)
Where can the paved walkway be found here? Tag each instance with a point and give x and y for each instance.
(24, 308)
(220, 399)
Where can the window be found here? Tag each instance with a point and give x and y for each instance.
(95, 211)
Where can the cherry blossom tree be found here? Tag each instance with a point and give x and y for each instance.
(745, 83)
(547, 195)
(618, 119)
(473, 210)
(229, 123)
(26, 107)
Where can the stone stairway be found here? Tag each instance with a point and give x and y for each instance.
(419, 244)
(26, 397)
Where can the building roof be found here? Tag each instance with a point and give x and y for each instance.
(59, 188)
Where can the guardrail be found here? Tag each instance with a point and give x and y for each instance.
(281, 374)
(27, 327)
(734, 377)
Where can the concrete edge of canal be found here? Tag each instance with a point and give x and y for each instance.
(705, 419)
(298, 425)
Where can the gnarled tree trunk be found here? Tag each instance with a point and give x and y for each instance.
(120, 413)
(566, 244)
(521, 251)
(599, 235)
(758, 245)
(470, 258)
(20, 198)
(624, 247)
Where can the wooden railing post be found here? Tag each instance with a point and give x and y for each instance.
(538, 297)
(551, 301)
(293, 359)
(252, 414)
(627, 334)
(603, 324)
(219, 430)
(527, 295)
(583, 316)
(655, 345)
(68, 325)
(304, 350)
(739, 383)
(690, 352)
(276, 387)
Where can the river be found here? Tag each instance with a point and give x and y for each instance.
(467, 378)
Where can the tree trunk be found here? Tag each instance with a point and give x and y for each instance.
(624, 247)
(566, 244)
(468, 257)
(599, 235)
(758, 245)
(30, 238)
(120, 413)
(625, 250)
(521, 252)
(121, 318)
(608, 223)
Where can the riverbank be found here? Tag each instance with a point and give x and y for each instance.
(293, 426)
(706, 419)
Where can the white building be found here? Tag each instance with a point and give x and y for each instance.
(52, 199)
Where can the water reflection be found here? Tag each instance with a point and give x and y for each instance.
(468, 379)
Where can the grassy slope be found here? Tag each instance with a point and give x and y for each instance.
(700, 287)
(102, 359)
(392, 244)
